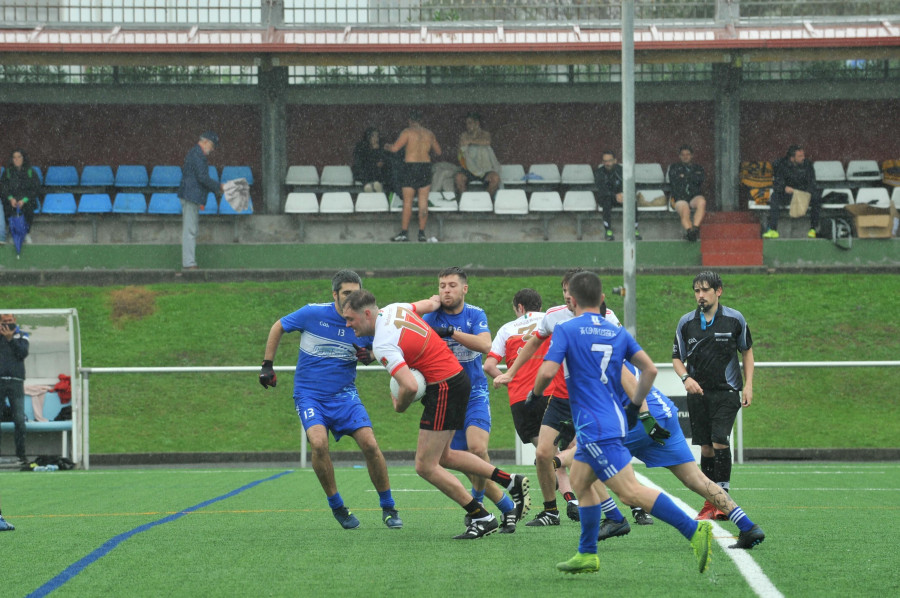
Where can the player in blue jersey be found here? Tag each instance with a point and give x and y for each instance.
(325, 394)
(594, 352)
(659, 442)
(464, 328)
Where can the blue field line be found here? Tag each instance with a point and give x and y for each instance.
(79, 566)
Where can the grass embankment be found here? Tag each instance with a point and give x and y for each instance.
(791, 317)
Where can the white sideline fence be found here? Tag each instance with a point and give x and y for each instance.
(666, 381)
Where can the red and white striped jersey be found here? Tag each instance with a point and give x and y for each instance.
(509, 340)
(403, 338)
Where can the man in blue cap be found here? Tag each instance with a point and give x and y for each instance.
(195, 185)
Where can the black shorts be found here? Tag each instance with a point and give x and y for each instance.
(527, 418)
(557, 410)
(474, 177)
(712, 416)
(445, 404)
(416, 175)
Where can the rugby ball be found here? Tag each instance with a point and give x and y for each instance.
(395, 387)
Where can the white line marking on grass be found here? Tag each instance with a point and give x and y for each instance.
(793, 489)
(747, 567)
(773, 472)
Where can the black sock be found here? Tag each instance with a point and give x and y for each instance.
(501, 477)
(569, 496)
(708, 467)
(556, 463)
(475, 510)
(723, 468)
(550, 505)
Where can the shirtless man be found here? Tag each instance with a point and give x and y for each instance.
(415, 176)
(475, 135)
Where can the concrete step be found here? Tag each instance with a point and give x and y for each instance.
(730, 218)
(730, 231)
(710, 246)
(743, 258)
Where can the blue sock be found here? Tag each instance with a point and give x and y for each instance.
(478, 495)
(740, 519)
(666, 510)
(590, 528)
(505, 504)
(387, 501)
(611, 511)
(335, 502)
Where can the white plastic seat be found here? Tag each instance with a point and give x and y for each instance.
(512, 174)
(371, 202)
(336, 202)
(545, 201)
(476, 201)
(579, 201)
(336, 176)
(863, 170)
(752, 205)
(877, 197)
(544, 174)
(649, 174)
(301, 203)
(577, 174)
(442, 201)
(650, 195)
(302, 176)
(829, 171)
(511, 201)
(895, 197)
(836, 199)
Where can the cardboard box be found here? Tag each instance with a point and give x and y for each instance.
(872, 223)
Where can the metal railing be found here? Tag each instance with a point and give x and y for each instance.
(668, 383)
(397, 13)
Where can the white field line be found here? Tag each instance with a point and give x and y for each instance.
(747, 567)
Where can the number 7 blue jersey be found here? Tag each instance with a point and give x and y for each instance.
(594, 351)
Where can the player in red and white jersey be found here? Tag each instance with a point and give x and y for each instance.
(403, 340)
(527, 416)
(557, 410)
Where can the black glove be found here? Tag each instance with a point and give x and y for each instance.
(631, 413)
(445, 331)
(267, 374)
(363, 355)
(653, 429)
(566, 434)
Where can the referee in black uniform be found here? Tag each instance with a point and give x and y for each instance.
(704, 355)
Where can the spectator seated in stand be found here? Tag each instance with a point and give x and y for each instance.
(371, 165)
(20, 186)
(793, 173)
(477, 158)
(686, 182)
(610, 178)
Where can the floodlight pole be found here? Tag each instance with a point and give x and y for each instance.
(628, 201)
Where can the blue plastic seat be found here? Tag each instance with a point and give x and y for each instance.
(95, 203)
(214, 174)
(164, 203)
(132, 176)
(229, 173)
(130, 203)
(29, 407)
(225, 208)
(165, 176)
(58, 203)
(37, 206)
(52, 406)
(212, 204)
(40, 175)
(61, 176)
(97, 176)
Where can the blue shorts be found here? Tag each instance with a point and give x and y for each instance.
(606, 458)
(675, 452)
(478, 414)
(558, 410)
(341, 414)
